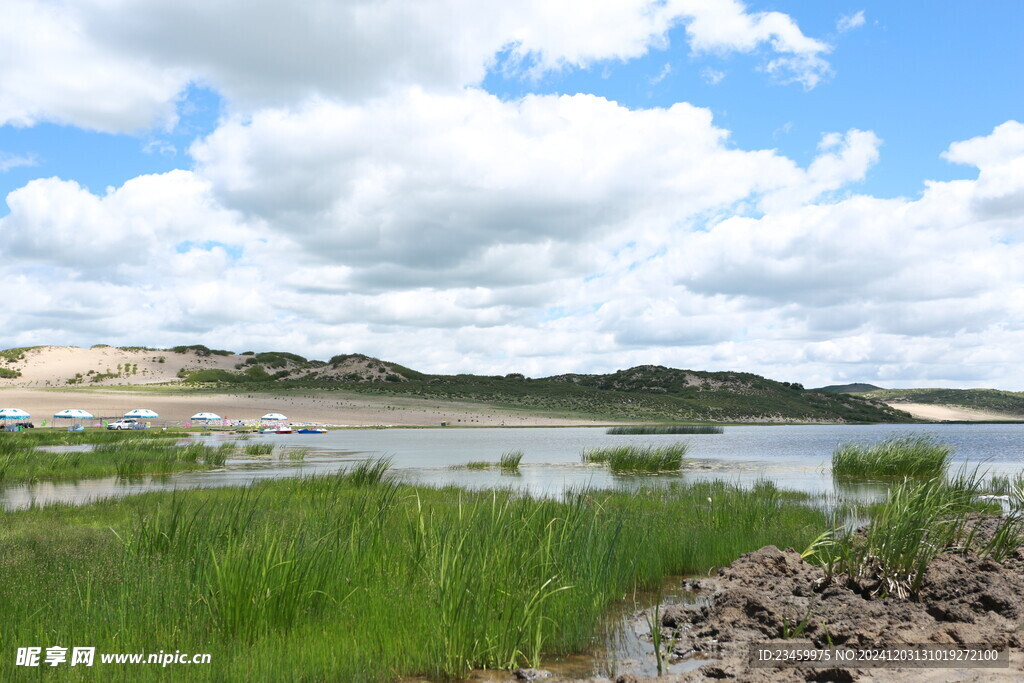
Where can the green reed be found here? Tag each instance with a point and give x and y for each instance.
(122, 457)
(919, 520)
(912, 456)
(666, 429)
(259, 449)
(510, 460)
(628, 459)
(355, 577)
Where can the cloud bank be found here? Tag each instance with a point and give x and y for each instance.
(362, 192)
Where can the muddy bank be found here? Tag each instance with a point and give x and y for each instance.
(771, 594)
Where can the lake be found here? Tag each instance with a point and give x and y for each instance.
(795, 457)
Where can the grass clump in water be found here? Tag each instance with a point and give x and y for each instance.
(510, 460)
(259, 449)
(666, 429)
(297, 454)
(626, 459)
(218, 457)
(902, 456)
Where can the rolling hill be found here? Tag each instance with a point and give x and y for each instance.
(855, 388)
(643, 393)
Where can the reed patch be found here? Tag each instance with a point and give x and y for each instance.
(911, 456)
(361, 578)
(644, 430)
(510, 460)
(259, 449)
(123, 456)
(638, 459)
(919, 520)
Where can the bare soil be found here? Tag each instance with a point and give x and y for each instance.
(770, 593)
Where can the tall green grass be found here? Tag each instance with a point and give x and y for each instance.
(510, 460)
(912, 456)
(259, 449)
(11, 442)
(123, 457)
(1006, 484)
(218, 457)
(666, 429)
(354, 577)
(918, 521)
(368, 472)
(627, 459)
(294, 454)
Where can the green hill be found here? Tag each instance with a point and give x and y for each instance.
(645, 393)
(856, 388)
(648, 392)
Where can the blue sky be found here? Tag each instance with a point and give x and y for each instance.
(441, 188)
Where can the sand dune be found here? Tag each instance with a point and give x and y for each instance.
(925, 411)
(55, 366)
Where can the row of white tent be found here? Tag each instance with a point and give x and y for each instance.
(143, 413)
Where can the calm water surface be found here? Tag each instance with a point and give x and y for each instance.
(795, 457)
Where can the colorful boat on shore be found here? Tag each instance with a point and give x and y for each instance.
(312, 430)
(279, 429)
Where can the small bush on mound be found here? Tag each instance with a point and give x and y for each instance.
(623, 459)
(903, 456)
(666, 429)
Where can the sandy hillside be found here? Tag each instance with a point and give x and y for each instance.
(53, 378)
(328, 408)
(926, 411)
(59, 366)
(62, 366)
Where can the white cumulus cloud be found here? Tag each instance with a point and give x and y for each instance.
(121, 65)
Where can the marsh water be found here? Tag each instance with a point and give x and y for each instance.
(794, 457)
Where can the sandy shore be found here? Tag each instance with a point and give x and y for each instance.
(335, 408)
(924, 411)
(326, 408)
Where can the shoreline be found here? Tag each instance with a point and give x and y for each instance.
(349, 409)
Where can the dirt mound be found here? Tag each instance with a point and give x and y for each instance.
(775, 595)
